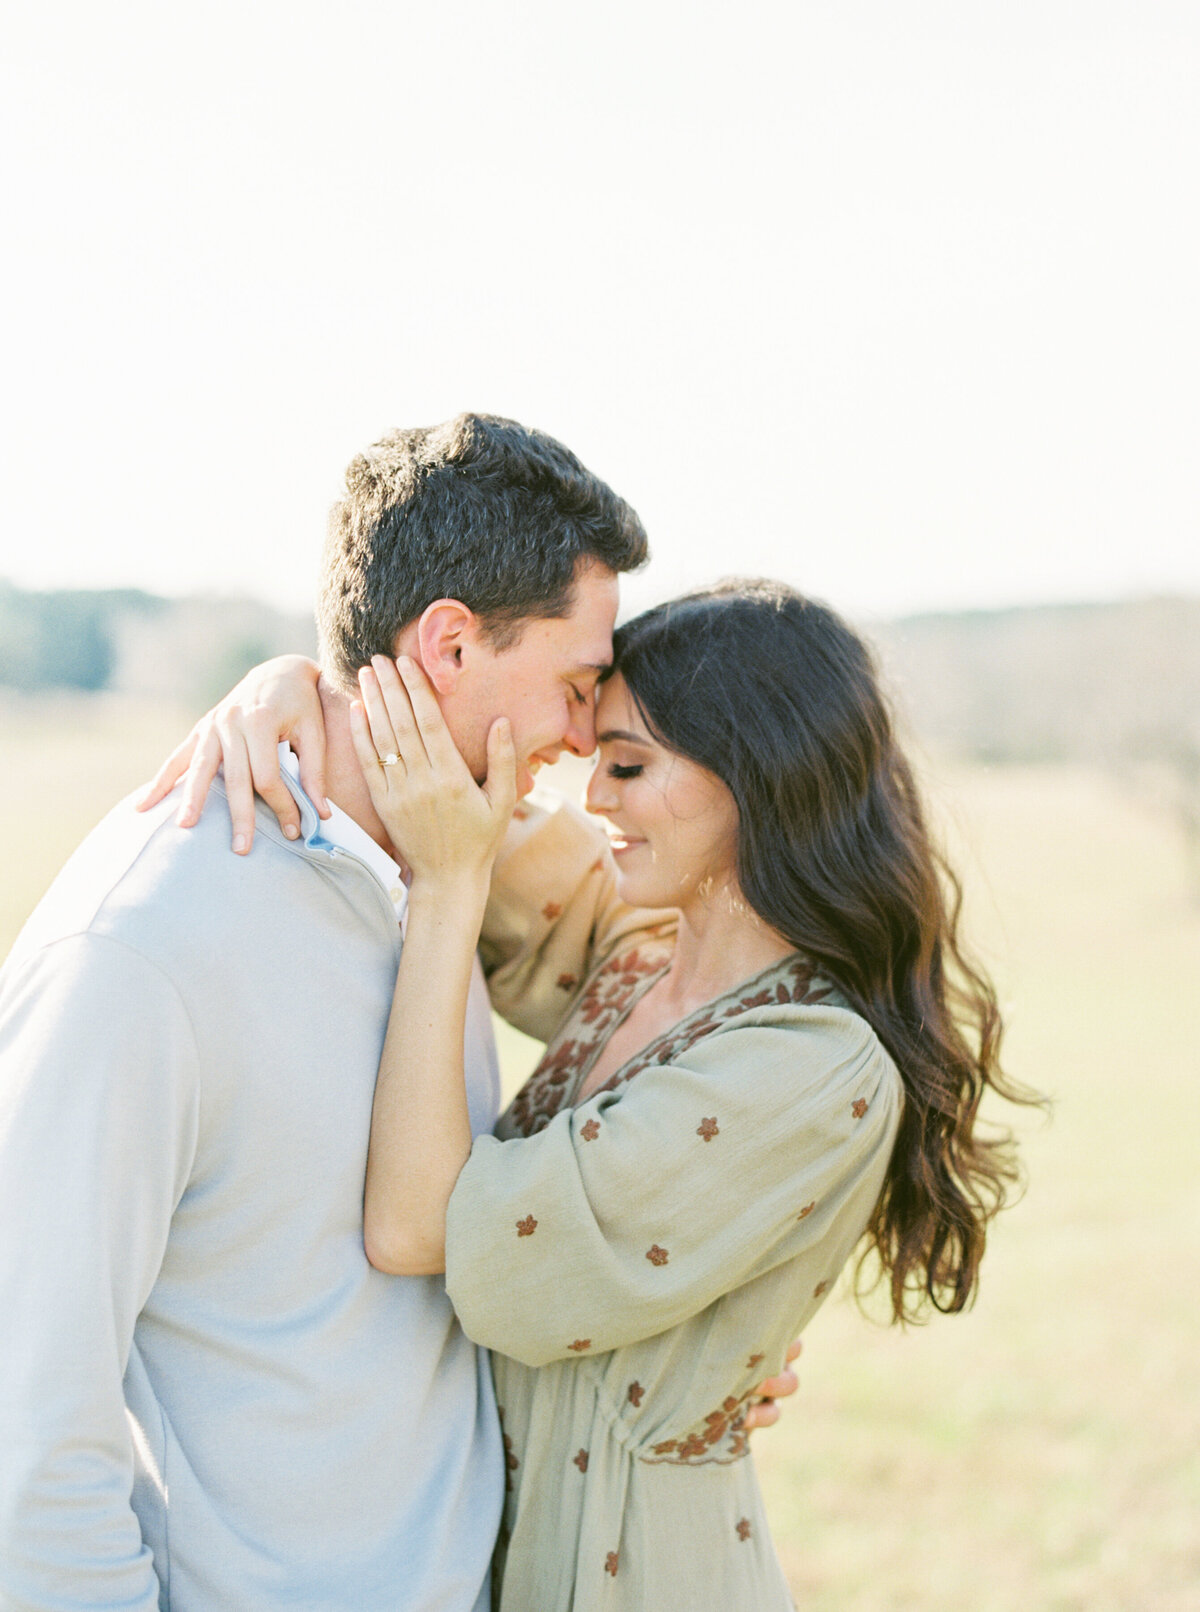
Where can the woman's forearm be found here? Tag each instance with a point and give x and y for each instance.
(420, 1127)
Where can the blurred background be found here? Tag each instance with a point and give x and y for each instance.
(895, 302)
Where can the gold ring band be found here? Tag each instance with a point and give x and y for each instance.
(390, 760)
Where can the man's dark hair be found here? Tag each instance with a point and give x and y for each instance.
(480, 509)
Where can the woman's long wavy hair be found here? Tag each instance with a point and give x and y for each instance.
(779, 698)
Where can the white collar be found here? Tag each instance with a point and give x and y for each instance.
(344, 834)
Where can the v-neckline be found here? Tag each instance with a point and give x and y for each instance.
(705, 1010)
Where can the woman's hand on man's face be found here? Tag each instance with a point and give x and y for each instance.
(445, 825)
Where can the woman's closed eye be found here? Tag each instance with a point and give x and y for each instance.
(615, 770)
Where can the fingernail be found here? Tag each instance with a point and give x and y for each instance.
(239, 844)
(291, 831)
(186, 819)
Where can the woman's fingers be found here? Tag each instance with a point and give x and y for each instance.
(308, 741)
(435, 735)
(763, 1411)
(202, 769)
(169, 774)
(384, 735)
(239, 786)
(262, 748)
(500, 785)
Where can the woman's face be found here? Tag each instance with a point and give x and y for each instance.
(672, 824)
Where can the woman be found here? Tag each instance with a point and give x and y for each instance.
(773, 1052)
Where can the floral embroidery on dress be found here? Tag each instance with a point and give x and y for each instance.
(526, 1227)
(708, 1128)
(859, 1108)
(580, 1345)
(610, 1563)
(607, 997)
(590, 1131)
(656, 1255)
(636, 1394)
(581, 1460)
(551, 911)
(807, 1210)
(754, 1360)
(743, 1528)
(724, 1427)
(800, 983)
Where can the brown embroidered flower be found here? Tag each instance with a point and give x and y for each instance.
(821, 1287)
(580, 1345)
(665, 1448)
(718, 1426)
(590, 1131)
(730, 1405)
(636, 1394)
(526, 1227)
(707, 1128)
(754, 1360)
(759, 999)
(691, 1446)
(581, 1460)
(656, 1255)
(551, 911)
(807, 1210)
(744, 1529)
(566, 982)
(610, 1563)
(859, 1108)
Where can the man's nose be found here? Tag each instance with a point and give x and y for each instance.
(580, 737)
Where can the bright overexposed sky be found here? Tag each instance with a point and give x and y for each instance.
(896, 301)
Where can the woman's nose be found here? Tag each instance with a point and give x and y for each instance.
(599, 796)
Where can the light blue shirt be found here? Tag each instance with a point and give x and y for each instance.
(209, 1400)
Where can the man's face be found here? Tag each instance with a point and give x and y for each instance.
(545, 684)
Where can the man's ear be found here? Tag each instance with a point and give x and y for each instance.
(445, 628)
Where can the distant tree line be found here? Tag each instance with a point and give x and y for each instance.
(127, 641)
(1114, 685)
(1111, 685)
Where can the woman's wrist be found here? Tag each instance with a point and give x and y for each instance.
(442, 892)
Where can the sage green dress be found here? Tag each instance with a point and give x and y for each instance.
(638, 1263)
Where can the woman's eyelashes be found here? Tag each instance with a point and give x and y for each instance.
(615, 770)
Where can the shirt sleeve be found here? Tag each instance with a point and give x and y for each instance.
(552, 912)
(639, 1208)
(98, 1111)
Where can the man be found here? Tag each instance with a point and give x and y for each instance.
(208, 1399)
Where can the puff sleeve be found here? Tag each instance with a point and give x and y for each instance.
(641, 1207)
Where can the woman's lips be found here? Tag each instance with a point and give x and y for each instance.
(618, 844)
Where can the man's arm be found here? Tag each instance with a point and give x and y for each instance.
(98, 1109)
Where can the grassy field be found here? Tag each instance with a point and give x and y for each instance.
(1041, 1454)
